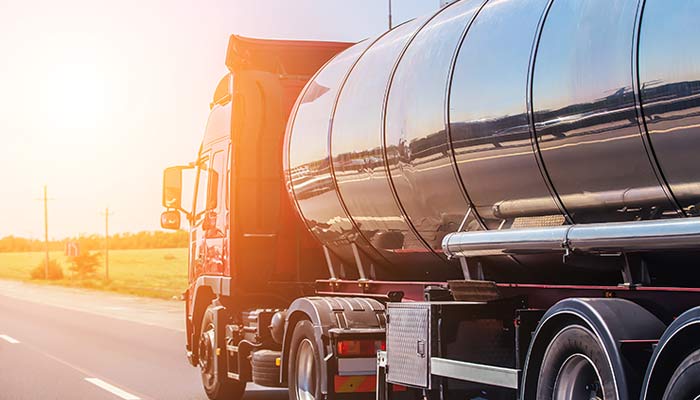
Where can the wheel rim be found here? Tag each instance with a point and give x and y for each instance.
(578, 379)
(306, 371)
(206, 355)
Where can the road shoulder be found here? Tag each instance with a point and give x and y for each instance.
(162, 313)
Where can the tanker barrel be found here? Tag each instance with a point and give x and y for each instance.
(511, 140)
(616, 237)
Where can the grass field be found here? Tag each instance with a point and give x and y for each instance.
(158, 273)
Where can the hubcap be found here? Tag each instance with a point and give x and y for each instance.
(578, 379)
(306, 371)
(206, 355)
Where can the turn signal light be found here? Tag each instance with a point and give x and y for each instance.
(359, 348)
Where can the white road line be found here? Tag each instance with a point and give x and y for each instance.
(112, 389)
(9, 339)
(84, 372)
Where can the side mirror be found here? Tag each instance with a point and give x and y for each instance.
(170, 219)
(172, 187)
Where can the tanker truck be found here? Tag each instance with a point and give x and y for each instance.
(497, 201)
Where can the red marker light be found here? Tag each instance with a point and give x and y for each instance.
(359, 348)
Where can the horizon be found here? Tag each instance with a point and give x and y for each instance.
(96, 111)
(94, 234)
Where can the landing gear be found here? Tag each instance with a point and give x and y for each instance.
(217, 384)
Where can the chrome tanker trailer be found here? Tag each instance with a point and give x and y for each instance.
(499, 200)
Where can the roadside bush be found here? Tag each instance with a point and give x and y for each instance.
(85, 264)
(55, 270)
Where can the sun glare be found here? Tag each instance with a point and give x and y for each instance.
(76, 98)
(75, 108)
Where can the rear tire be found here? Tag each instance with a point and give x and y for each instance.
(304, 369)
(575, 367)
(685, 382)
(217, 387)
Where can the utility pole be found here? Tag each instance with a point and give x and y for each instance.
(107, 214)
(46, 235)
(390, 24)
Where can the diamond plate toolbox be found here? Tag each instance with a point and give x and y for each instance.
(408, 332)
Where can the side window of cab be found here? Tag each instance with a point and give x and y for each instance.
(214, 180)
(202, 183)
(215, 214)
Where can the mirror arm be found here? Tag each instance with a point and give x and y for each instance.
(190, 216)
(187, 214)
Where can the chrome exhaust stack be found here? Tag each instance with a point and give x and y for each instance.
(605, 238)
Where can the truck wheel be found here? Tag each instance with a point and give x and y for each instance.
(575, 367)
(217, 387)
(685, 382)
(304, 364)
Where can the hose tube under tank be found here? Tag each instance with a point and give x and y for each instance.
(617, 237)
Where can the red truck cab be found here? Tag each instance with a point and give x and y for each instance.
(246, 244)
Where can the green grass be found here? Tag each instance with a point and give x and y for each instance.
(160, 273)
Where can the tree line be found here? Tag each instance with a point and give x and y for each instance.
(137, 240)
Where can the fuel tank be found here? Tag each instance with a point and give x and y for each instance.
(498, 114)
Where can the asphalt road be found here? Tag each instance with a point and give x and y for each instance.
(60, 343)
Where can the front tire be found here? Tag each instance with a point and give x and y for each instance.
(304, 369)
(216, 386)
(685, 381)
(575, 367)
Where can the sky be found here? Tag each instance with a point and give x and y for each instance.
(98, 97)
